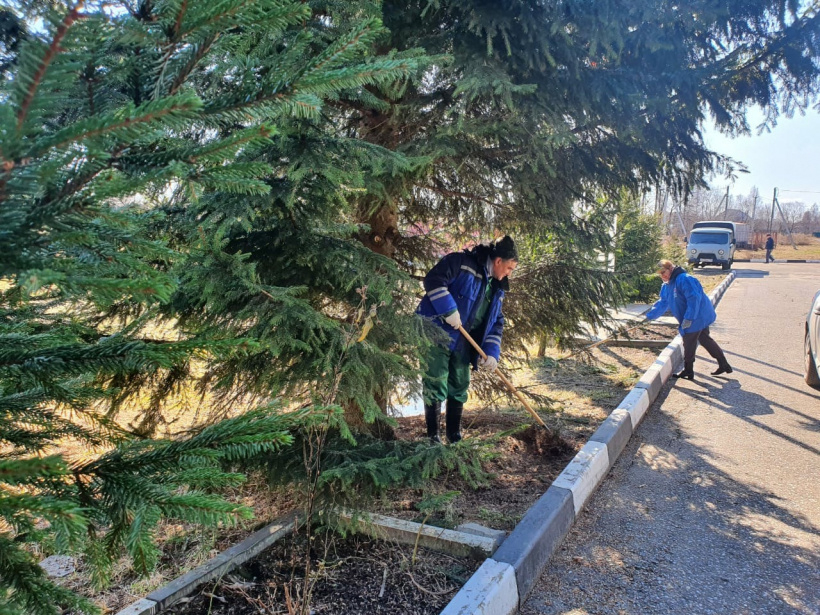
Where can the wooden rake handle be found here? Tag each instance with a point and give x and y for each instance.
(504, 379)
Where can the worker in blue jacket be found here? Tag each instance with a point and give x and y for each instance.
(463, 289)
(683, 295)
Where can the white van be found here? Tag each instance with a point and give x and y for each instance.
(741, 231)
(711, 246)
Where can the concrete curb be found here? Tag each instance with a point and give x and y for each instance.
(584, 472)
(636, 403)
(490, 591)
(229, 559)
(614, 432)
(636, 343)
(141, 607)
(472, 541)
(460, 543)
(788, 260)
(536, 537)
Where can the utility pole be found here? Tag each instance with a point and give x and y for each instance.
(677, 209)
(771, 218)
(783, 218)
(726, 207)
(752, 225)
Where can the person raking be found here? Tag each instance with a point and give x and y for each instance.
(683, 295)
(463, 289)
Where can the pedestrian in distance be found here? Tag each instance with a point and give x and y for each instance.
(463, 289)
(769, 248)
(683, 295)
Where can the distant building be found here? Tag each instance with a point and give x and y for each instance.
(736, 215)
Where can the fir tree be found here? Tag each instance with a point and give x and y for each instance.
(99, 123)
(284, 268)
(528, 116)
(539, 114)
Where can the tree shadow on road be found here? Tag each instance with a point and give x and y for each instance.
(805, 390)
(751, 273)
(677, 529)
(747, 405)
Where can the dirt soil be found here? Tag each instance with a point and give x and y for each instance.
(581, 388)
(355, 575)
(653, 332)
(577, 391)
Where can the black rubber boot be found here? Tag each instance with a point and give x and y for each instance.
(432, 416)
(689, 375)
(452, 420)
(723, 368)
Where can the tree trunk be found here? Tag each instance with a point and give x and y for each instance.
(384, 234)
(383, 220)
(355, 420)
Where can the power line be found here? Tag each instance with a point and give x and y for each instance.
(801, 191)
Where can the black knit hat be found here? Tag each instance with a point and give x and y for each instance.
(505, 249)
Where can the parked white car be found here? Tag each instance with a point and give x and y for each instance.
(812, 343)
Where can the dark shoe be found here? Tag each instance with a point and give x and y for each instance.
(432, 417)
(684, 374)
(452, 420)
(723, 369)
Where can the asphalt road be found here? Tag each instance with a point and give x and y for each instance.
(714, 506)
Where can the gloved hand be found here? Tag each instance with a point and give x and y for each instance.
(489, 364)
(454, 320)
(686, 324)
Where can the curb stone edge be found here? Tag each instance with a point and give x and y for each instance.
(583, 474)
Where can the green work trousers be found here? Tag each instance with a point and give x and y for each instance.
(447, 376)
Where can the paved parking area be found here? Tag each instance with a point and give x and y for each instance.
(714, 506)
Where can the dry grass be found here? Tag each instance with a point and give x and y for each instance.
(184, 547)
(710, 278)
(808, 247)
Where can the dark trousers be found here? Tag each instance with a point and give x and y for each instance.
(769, 255)
(690, 345)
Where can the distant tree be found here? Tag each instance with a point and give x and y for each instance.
(793, 213)
(638, 244)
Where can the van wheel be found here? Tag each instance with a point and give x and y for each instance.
(725, 266)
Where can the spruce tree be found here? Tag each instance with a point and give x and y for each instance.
(106, 114)
(539, 114)
(285, 268)
(531, 117)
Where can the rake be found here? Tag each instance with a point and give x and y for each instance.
(504, 379)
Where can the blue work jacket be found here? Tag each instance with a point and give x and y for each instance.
(457, 282)
(684, 297)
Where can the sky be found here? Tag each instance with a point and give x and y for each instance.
(787, 158)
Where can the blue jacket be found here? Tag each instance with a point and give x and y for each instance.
(684, 297)
(457, 282)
